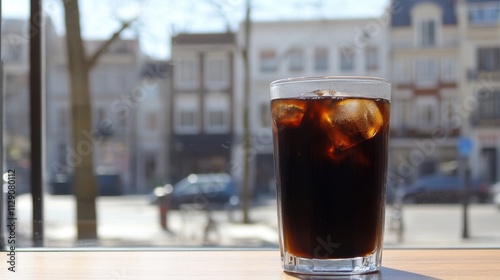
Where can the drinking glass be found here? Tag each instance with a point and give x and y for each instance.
(330, 155)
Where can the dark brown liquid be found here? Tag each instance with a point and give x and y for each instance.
(331, 199)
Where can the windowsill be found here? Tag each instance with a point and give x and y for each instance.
(240, 264)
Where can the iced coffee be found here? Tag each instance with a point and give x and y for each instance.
(330, 149)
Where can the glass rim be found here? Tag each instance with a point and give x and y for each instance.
(336, 86)
(329, 78)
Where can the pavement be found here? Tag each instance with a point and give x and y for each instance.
(130, 221)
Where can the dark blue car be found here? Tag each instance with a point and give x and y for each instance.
(444, 189)
(205, 192)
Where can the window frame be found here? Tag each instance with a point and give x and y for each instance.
(347, 61)
(268, 61)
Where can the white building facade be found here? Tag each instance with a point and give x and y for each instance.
(479, 22)
(301, 48)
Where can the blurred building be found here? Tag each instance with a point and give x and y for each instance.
(446, 86)
(129, 116)
(128, 97)
(425, 56)
(283, 49)
(15, 57)
(112, 81)
(202, 103)
(479, 23)
(150, 142)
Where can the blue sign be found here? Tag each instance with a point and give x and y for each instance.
(464, 146)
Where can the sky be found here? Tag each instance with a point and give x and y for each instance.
(159, 19)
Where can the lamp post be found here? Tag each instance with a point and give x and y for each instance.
(464, 149)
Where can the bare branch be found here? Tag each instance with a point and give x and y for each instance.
(92, 60)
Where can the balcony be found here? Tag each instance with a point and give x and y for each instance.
(413, 132)
(478, 75)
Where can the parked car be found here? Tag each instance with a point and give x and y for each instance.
(205, 192)
(495, 193)
(109, 184)
(444, 189)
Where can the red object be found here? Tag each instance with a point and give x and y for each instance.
(163, 215)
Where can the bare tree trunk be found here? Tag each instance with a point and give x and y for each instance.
(85, 184)
(246, 123)
(84, 181)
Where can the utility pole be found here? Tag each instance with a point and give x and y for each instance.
(464, 149)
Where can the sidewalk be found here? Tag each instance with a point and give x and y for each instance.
(129, 221)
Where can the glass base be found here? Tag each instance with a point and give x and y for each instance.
(349, 266)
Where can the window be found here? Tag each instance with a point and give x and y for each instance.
(347, 59)
(193, 122)
(186, 114)
(427, 33)
(216, 71)
(186, 73)
(449, 69)
(265, 115)
(403, 71)
(296, 60)
(187, 121)
(426, 113)
(426, 72)
(402, 114)
(150, 163)
(217, 112)
(489, 105)
(321, 59)
(371, 58)
(448, 112)
(487, 13)
(62, 118)
(152, 120)
(488, 59)
(268, 61)
(101, 115)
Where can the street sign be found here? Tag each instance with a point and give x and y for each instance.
(464, 146)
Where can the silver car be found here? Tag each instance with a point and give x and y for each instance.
(495, 193)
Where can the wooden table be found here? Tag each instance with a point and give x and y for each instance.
(239, 264)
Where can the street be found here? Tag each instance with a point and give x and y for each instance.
(129, 221)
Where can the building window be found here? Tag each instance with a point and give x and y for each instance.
(268, 61)
(150, 163)
(186, 114)
(321, 59)
(448, 112)
(403, 71)
(217, 111)
(449, 67)
(489, 105)
(217, 72)
(265, 115)
(152, 121)
(401, 115)
(426, 113)
(62, 118)
(101, 115)
(371, 58)
(186, 73)
(427, 33)
(122, 117)
(216, 120)
(488, 13)
(488, 59)
(346, 59)
(426, 72)
(187, 120)
(295, 60)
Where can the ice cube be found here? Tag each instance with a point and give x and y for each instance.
(351, 121)
(288, 112)
(325, 92)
